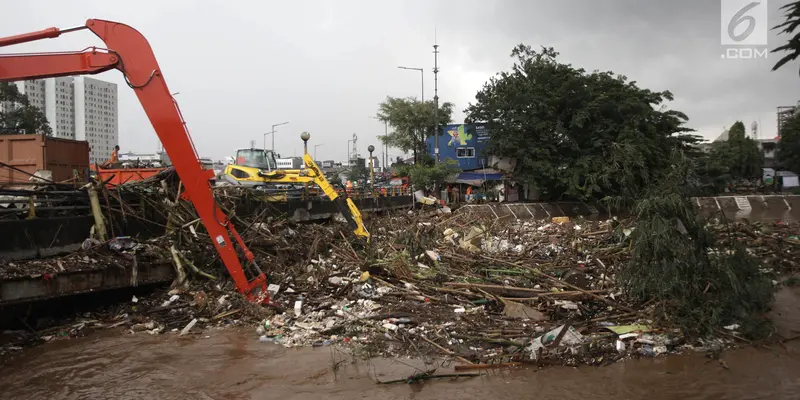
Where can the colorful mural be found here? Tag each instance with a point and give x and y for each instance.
(464, 143)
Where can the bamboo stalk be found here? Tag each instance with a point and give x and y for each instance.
(97, 213)
(473, 367)
(446, 351)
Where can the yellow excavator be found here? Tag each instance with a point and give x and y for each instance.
(257, 168)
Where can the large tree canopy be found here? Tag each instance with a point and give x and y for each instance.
(789, 144)
(412, 122)
(20, 117)
(739, 156)
(577, 134)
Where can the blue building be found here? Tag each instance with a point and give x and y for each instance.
(464, 143)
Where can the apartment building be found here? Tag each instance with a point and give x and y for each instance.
(80, 108)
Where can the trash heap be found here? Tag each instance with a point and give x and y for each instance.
(483, 290)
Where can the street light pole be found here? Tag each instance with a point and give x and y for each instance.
(348, 152)
(436, 101)
(385, 146)
(370, 149)
(273, 135)
(315, 150)
(305, 136)
(422, 79)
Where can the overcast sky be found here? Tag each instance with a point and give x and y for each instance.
(241, 66)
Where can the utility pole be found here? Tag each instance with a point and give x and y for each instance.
(315, 150)
(384, 146)
(272, 132)
(422, 80)
(354, 152)
(436, 101)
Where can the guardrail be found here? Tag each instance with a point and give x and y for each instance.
(314, 193)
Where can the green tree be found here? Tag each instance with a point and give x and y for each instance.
(412, 122)
(788, 154)
(788, 27)
(20, 117)
(739, 157)
(425, 174)
(577, 134)
(357, 173)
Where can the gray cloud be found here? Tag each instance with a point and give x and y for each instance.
(241, 66)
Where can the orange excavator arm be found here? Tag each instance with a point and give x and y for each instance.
(129, 52)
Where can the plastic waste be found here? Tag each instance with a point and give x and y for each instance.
(121, 243)
(390, 327)
(367, 290)
(188, 327)
(298, 306)
(570, 339)
(170, 300)
(433, 255)
(89, 243)
(271, 339)
(322, 343)
(273, 289)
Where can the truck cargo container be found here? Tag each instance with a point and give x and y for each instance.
(66, 159)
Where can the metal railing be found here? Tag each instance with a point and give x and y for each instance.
(314, 193)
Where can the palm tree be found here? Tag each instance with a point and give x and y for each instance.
(788, 27)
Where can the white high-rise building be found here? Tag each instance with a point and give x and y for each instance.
(80, 108)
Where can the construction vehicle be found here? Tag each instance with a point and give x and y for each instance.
(257, 168)
(130, 53)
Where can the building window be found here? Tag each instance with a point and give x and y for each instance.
(465, 152)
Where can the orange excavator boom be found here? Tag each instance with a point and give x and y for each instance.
(130, 53)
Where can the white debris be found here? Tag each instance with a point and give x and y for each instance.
(188, 327)
(566, 304)
(335, 280)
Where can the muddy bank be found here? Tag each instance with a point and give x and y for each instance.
(233, 364)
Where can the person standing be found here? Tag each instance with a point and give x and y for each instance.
(113, 162)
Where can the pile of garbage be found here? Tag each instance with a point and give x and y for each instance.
(485, 291)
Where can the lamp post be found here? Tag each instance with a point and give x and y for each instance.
(348, 152)
(305, 136)
(272, 132)
(315, 150)
(422, 80)
(385, 146)
(370, 149)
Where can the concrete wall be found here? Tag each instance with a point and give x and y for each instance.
(753, 208)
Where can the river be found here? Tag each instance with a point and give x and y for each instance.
(231, 364)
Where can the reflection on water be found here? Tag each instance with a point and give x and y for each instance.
(234, 365)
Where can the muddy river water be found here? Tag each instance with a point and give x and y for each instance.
(230, 364)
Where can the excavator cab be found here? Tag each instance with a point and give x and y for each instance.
(250, 166)
(256, 158)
